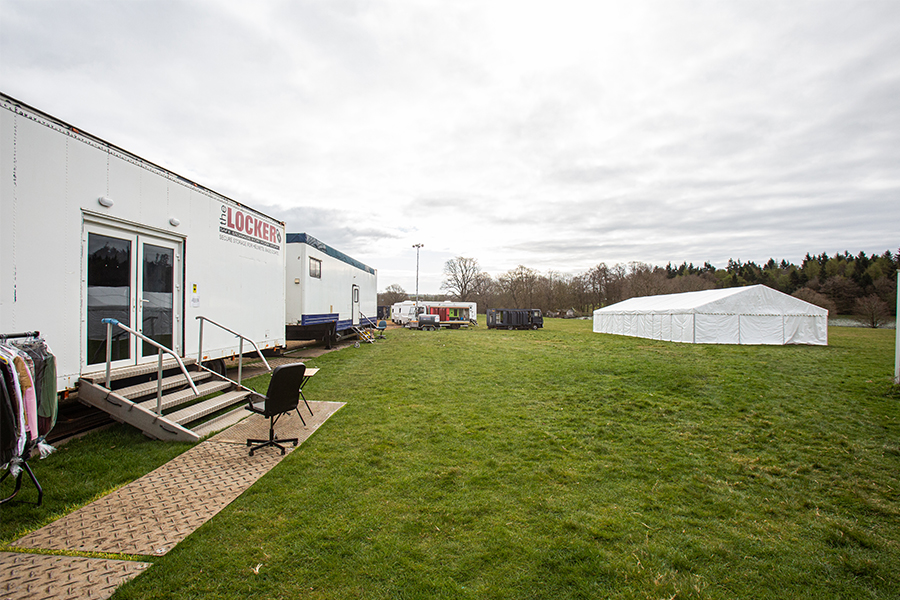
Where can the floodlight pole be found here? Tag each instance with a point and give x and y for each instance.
(417, 247)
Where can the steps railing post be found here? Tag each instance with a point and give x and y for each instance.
(200, 349)
(159, 371)
(109, 325)
(240, 346)
(240, 358)
(160, 349)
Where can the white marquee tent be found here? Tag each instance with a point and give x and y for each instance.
(754, 314)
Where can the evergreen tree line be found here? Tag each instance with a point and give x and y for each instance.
(843, 283)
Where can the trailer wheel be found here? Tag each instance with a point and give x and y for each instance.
(534, 326)
(510, 328)
(217, 366)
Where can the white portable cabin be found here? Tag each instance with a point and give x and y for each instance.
(90, 231)
(326, 290)
(753, 314)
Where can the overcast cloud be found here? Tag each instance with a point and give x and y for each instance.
(554, 135)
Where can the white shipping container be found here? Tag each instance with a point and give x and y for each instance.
(91, 231)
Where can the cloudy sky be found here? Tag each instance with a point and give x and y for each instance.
(555, 135)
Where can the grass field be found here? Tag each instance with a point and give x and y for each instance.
(565, 464)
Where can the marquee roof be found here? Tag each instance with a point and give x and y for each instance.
(748, 300)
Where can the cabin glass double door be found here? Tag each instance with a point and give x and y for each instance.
(135, 279)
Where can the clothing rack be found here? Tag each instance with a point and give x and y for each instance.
(8, 336)
(29, 445)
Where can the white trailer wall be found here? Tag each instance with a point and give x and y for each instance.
(229, 259)
(748, 315)
(310, 299)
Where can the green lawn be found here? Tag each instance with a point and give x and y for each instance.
(566, 464)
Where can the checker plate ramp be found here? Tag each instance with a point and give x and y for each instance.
(40, 577)
(152, 514)
(155, 512)
(148, 516)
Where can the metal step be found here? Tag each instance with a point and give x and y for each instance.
(136, 370)
(207, 407)
(186, 395)
(136, 404)
(221, 422)
(145, 389)
(364, 334)
(125, 411)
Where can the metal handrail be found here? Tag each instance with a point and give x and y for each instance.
(109, 325)
(369, 320)
(201, 318)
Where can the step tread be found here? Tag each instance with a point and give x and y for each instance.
(201, 409)
(181, 396)
(221, 422)
(136, 370)
(123, 410)
(149, 387)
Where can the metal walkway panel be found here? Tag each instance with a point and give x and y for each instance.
(44, 577)
(289, 425)
(152, 514)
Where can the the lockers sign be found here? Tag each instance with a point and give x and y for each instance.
(240, 227)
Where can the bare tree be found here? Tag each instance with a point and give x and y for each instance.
(597, 282)
(808, 295)
(579, 293)
(392, 293)
(552, 291)
(518, 285)
(645, 280)
(872, 312)
(617, 286)
(484, 288)
(462, 277)
(691, 283)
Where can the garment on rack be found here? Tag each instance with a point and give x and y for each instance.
(24, 368)
(28, 404)
(9, 418)
(44, 372)
(11, 383)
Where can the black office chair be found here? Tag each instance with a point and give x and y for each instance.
(282, 397)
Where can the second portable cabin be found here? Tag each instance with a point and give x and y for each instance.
(327, 293)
